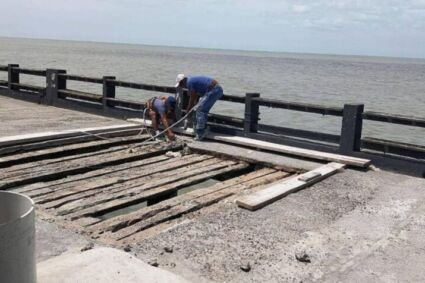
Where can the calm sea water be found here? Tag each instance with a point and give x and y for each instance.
(393, 85)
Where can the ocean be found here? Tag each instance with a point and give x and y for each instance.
(392, 85)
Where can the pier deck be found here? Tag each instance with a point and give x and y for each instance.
(354, 226)
(19, 117)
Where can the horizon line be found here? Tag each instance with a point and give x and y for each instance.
(218, 49)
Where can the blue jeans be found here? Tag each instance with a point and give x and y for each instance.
(204, 106)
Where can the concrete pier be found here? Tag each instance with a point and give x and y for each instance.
(355, 226)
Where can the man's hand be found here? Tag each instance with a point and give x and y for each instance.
(171, 136)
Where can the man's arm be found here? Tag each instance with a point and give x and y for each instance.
(152, 116)
(192, 99)
(170, 133)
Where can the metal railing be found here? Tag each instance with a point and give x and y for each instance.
(348, 142)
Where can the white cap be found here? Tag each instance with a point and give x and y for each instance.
(179, 78)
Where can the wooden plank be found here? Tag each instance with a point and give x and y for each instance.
(43, 168)
(118, 222)
(95, 186)
(137, 186)
(75, 187)
(286, 163)
(268, 195)
(26, 138)
(208, 172)
(57, 142)
(191, 206)
(313, 154)
(78, 168)
(40, 188)
(296, 151)
(45, 164)
(66, 150)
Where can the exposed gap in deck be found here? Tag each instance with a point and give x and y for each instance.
(179, 190)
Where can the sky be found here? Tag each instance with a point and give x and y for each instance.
(359, 27)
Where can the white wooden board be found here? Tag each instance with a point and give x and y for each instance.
(277, 191)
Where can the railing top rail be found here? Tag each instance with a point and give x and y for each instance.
(3, 68)
(298, 106)
(394, 119)
(34, 72)
(166, 89)
(233, 98)
(81, 78)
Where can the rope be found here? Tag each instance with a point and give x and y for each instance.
(163, 131)
(151, 140)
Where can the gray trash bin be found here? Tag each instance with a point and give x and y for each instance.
(17, 239)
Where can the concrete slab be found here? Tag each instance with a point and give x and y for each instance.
(353, 227)
(19, 117)
(106, 265)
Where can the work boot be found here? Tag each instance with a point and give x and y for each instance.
(201, 134)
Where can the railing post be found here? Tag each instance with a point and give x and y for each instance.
(13, 77)
(53, 84)
(108, 91)
(351, 131)
(251, 113)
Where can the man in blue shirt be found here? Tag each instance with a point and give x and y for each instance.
(208, 91)
(161, 109)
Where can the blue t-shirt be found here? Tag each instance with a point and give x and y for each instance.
(159, 106)
(199, 84)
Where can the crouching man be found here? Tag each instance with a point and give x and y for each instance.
(161, 110)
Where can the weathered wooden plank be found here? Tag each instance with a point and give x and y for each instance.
(43, 167)
(137, 186)
(296, 151)
(313, 154)
(66, 150)
(116, 223)
(11, 149)
(40, 188)
(47, 164)
(190, 206)
(203, 174)
(82, 167)
(268, 195)
(70, 188)
(95, 186)
(288, 164)
(26, 138)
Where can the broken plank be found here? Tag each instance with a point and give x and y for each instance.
(149, 194)
(81, 186)
(41, 188)
(66, 150)
(26, 138)
(104, 186)
(121, 221)
(82, 168)
(19, 148)
(39, 168)
(268, 195)
(139, 185)
(48, 164)
(191, 206)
